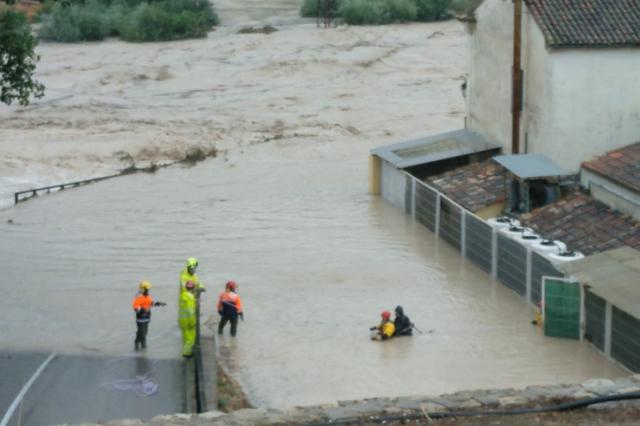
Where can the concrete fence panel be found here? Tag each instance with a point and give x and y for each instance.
(540, 267)
(594, 319)
(512, 264)
(478, 242)
(625, 339)
(450, 222)
(426, 204)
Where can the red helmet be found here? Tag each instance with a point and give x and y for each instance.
(231, 285)
(386, 315)
(190, 284)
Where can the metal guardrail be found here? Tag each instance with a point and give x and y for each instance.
(60, 187)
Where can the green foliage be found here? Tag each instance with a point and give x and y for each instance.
(309, 8)
(376, 12)
(133, 20)
(17, 59)
(401, 10)
(362, 12)
(432, 10)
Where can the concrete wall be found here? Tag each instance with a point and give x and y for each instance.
(613, 195)
(393, 185)
(578, 103)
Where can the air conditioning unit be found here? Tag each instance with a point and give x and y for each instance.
(529, 237)
(565, 256)
(501, 222)
(549, 246)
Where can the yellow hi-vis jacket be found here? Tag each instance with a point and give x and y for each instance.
(185, 277)
(187, 313)
(386, 328)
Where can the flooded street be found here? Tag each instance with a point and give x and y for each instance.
(316, 259)
(283, 210)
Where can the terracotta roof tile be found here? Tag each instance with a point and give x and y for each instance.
(584, 224)
(473, 186)
(588, 23)
(621, 166)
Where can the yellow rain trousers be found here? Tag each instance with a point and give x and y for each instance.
(187, 321)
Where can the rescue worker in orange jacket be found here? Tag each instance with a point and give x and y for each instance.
(229, 308)
(142, 304)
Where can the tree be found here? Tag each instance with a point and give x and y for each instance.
(17, 59)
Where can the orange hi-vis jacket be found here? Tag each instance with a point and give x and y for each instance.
(144, 302)
(229, 303)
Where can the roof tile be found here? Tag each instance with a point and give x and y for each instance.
(588, 23)
(584, 224)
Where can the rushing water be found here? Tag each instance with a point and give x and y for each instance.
(316, 258)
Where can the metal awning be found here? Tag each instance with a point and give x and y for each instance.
(530, 166)
(434, 148)
(613, 275)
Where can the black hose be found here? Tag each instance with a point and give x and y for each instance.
(441, 415)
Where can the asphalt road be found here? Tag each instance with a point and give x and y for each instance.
(75, 389)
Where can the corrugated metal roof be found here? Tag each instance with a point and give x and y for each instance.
(529, 166)
(434, 148)
(613, 275)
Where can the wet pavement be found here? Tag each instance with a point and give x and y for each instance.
(316, 258)
(74, 389)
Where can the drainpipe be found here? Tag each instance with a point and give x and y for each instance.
(516, 78)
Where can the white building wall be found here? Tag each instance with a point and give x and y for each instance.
(537, 94)
(489, 83)
(596, 104)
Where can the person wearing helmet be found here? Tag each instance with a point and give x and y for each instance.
(385, 329)
(187, 318)
(189, 274)
(142, 304)
(402, 323)
(229, 308)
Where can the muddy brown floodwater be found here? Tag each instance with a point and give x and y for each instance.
(316, 258)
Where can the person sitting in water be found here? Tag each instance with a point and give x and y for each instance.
(385, 329)
(402, 323)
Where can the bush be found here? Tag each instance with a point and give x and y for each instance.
(368, 12)
(168, 20)
(432, 10)
(133, 20)
(362, 12)
(309, 8)
(401, 10)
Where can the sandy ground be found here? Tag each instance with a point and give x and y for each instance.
(111, 103)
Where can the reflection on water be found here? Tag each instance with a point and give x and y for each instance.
(317, 260)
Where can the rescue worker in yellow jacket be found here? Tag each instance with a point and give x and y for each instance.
(187, 318)
(385, 329)
(229, 308)
(142, 304)
(189, 274)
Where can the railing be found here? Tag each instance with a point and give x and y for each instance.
(59, 187)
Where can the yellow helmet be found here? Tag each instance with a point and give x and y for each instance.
(192, 262)
(145, 285)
